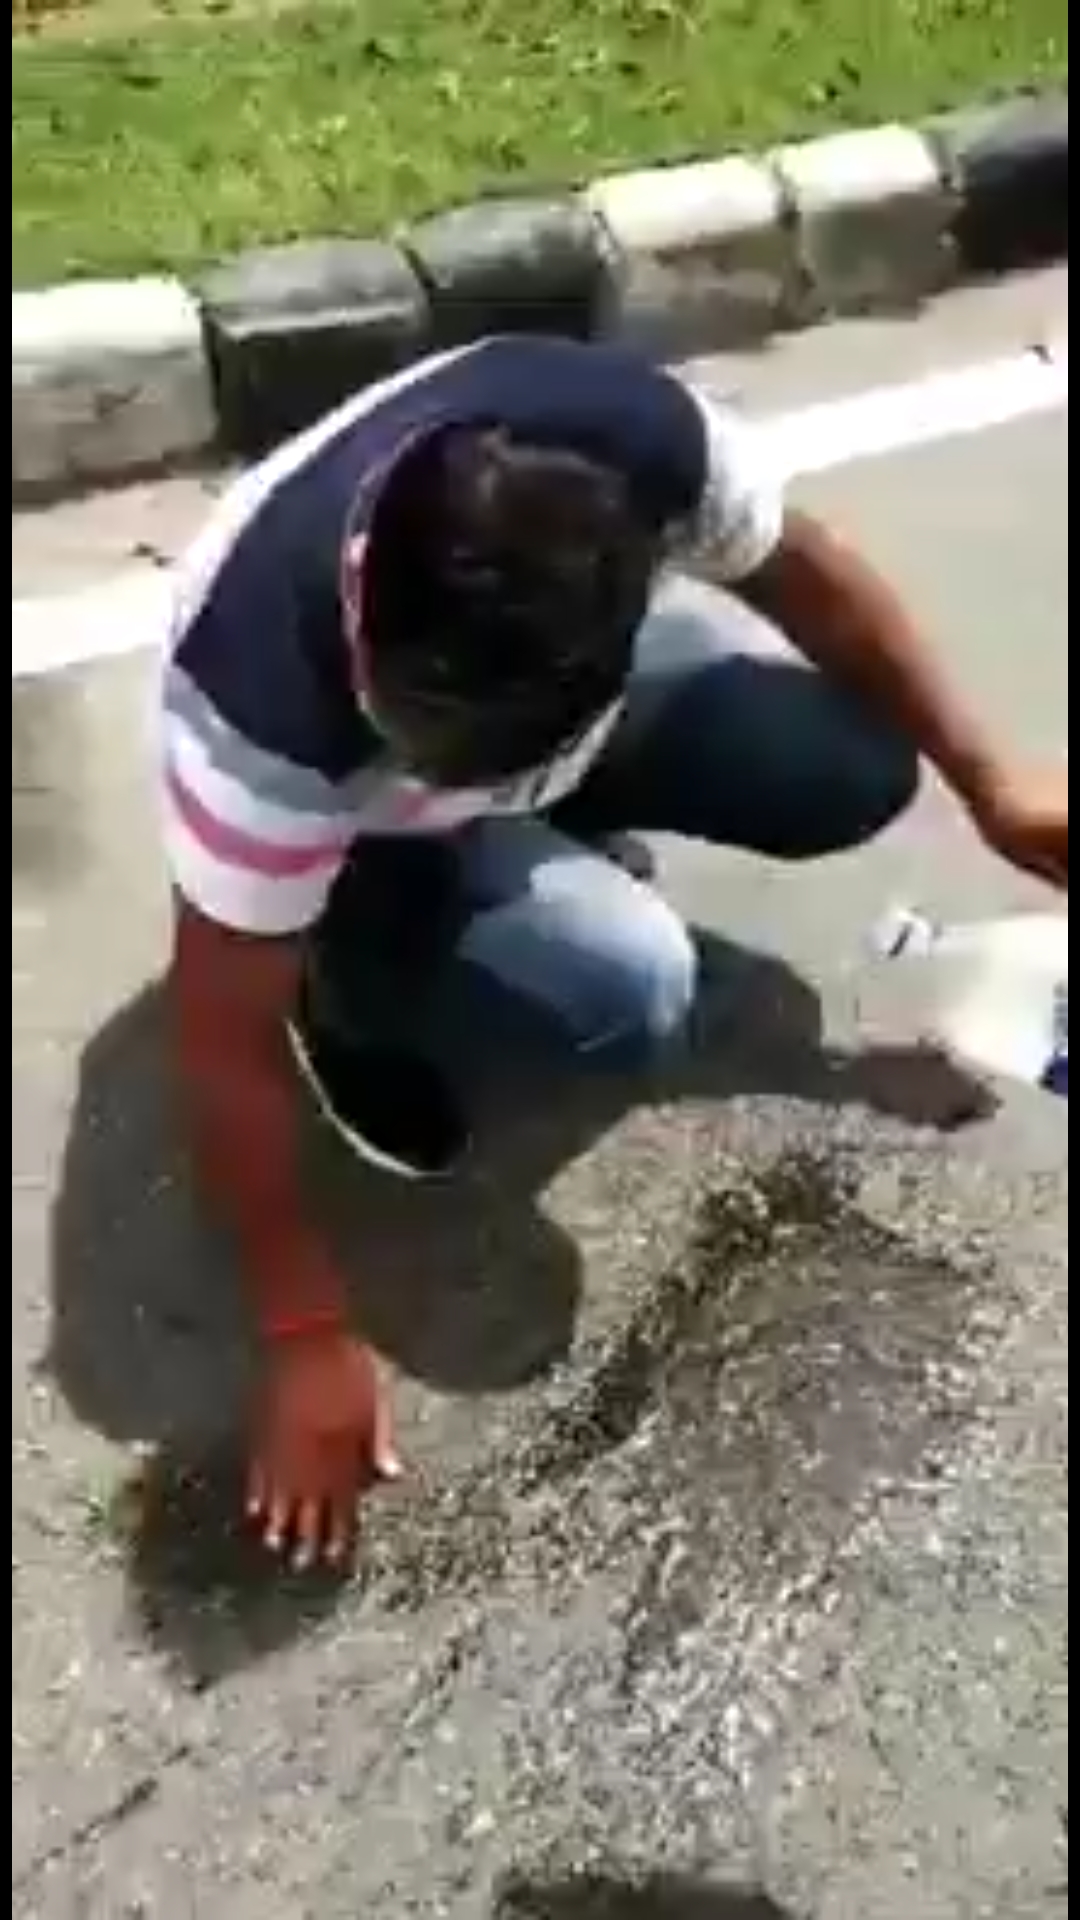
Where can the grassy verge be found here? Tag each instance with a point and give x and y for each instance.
(173, 139)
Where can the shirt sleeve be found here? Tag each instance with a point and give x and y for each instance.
(739, 521)
(252, 842)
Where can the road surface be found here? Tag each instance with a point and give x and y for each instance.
(735, 1553)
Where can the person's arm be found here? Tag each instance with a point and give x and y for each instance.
(324, 1431)
(846, 618)
(836, 608)
(233, 996)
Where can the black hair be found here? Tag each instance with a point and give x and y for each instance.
(504, 584)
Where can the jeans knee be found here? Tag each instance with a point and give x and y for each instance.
(652, 987)
(874, 785)
(596, 962)
(891, 784)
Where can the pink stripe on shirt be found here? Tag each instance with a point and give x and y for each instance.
(235, 847)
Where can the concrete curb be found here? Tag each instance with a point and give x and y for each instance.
(113, 380)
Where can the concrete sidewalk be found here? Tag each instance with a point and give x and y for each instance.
(736, 1550)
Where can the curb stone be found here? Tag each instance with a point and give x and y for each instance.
(1008, 167)
(290, 330)
(110, 381)
(106, 381)
(874, 224)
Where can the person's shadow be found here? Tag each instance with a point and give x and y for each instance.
(471, 1289)
(663, 1897)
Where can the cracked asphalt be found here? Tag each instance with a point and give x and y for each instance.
(731, 1578)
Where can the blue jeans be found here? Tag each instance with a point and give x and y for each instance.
(513, 933)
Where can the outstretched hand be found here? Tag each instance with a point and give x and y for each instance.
(323, 1440)
(1024, 817)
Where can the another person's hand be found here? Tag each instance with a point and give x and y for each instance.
(323, 1440)
(1024, 817)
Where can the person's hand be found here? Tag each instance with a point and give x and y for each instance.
(323, 1439)
(1025, 818)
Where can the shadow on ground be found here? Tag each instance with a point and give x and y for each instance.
(204, 1590)
(663, 1898)
(472, 1289)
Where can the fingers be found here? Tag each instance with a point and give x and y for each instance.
(258, 1493)
(269, 1509)
(283, 1519)
(309, 1530)
(385, 1457)
(308, 1510)
(278, 1529)
(308, 1535)
(340, 1532)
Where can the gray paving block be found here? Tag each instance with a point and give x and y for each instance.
(872, 217)
(1009, 169)
(531, 265)
(108, 380)
(709, 258)
(294, 330)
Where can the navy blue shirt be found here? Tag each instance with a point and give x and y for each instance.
(272, 766)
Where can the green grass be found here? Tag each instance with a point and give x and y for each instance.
(181, 141)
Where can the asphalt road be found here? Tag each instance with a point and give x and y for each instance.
(735, 1553)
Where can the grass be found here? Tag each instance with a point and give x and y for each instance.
(146, 135)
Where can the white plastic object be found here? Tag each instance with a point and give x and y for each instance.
(998, 990)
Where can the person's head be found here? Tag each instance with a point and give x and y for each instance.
(503, 586)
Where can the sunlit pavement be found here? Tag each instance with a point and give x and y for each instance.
(769, 1583)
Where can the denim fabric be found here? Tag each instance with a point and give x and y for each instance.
(513, 930)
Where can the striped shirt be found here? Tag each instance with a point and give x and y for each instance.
(272, 769)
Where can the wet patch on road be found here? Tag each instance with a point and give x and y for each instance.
(663, 1897)
(797, 1358)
